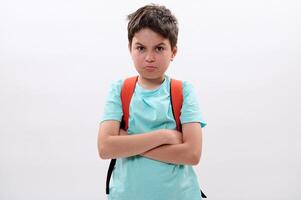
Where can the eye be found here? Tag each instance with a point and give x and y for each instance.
(159, 49)
(140, 48)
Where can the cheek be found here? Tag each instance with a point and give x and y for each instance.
(165, 59)
(137, 58)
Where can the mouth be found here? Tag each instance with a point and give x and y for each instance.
(150, 67)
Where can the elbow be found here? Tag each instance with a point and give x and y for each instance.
(105, 153)
(193, 155)
(195, 158)
(196, 161)
(102, 153)
(103, 150)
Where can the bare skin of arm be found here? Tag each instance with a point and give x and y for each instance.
(111, 144)
(187, 152)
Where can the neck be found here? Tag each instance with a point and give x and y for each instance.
(150, 84)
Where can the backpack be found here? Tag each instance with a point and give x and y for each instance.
(127, 91)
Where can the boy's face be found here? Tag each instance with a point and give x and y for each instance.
(151, 53)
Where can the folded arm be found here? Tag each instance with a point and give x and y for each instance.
(189, 152)
(113, 145)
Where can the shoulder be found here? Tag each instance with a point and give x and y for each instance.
(117, 83)
(116, 86)
(112, 106)
(190, 111)
(187, 87)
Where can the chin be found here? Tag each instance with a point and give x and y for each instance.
(151, 76)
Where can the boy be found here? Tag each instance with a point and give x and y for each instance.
(154, 160)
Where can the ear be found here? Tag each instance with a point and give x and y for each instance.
(174, 52)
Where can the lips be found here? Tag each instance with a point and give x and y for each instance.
(150, 68)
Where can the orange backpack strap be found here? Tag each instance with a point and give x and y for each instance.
(176, 100)
(127, 92)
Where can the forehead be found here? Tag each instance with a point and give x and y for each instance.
(147, 37)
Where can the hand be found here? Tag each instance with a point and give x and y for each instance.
(175, 137)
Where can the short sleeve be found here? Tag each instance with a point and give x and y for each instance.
(190, 111)
(112, 107)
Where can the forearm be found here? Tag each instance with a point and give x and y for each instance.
(131, 145)
(176, 154)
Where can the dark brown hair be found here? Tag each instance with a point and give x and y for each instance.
(157, 18)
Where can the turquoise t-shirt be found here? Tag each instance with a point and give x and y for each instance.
(138, 177)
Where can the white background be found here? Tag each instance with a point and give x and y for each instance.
(58, 58)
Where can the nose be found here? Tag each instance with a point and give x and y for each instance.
(150, 57)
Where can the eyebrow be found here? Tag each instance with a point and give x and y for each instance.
(161, 43)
